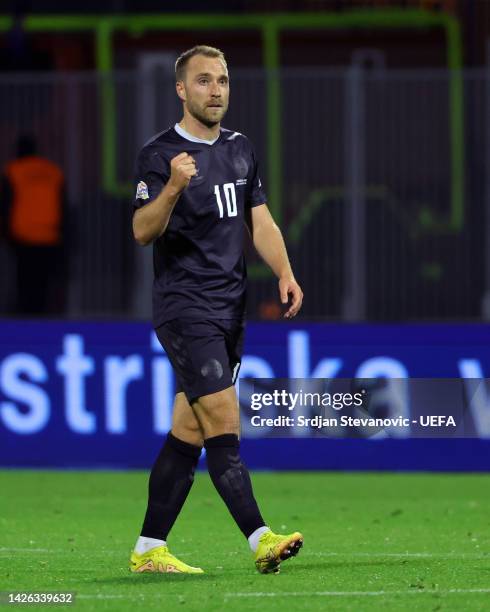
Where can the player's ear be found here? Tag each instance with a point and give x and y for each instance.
(180, 88)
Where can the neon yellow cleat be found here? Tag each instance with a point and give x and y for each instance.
(160, 560)
(274, 548)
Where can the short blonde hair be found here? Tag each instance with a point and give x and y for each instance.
(183, 59)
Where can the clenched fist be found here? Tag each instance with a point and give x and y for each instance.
(183, 168)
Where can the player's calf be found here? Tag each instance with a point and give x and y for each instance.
(171, 479)
(232, 481)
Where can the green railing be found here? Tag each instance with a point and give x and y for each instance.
(270, 25)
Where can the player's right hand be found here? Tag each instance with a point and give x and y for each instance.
(182, 169)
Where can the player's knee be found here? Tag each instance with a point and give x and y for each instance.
(187, 429)
(190, 433)
(218, 414)
(194, 433)
(222, 424)
(221, 428)
(184, 422)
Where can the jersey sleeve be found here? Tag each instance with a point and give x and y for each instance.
(257, 194)
(151, 175)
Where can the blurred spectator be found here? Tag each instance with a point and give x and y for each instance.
(19, 52)
(269, 310)
(33, 207)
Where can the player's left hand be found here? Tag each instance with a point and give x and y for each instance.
(288, 286)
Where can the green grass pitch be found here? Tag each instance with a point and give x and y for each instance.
(372, 542)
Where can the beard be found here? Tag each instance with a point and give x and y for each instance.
(205, 116)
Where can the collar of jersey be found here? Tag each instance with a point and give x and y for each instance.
(181, 132)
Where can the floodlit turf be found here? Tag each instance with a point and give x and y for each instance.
(372, 542)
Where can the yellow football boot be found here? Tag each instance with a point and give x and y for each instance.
(160, 560)
(274, 548)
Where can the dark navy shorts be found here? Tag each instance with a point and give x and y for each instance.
(205, 355)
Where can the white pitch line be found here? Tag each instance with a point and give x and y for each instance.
(297, 594)
(307, 553)
(68, 551)
(59, 551)
(449, 555)
(102, 596)
(40, 550)
(355, 593)
(141, 596)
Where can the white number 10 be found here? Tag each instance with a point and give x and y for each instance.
(230, 197)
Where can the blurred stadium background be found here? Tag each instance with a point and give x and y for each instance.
(371, 119)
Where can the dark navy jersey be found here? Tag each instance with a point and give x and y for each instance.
(199, 262)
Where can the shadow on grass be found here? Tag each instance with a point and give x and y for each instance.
(289, 570)
(132, 579)
(390, 563)
(303, 564)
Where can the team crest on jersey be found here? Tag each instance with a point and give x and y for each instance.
(241, 166)
(142, 191)
(197, 178)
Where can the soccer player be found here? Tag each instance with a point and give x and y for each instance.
(197, 188)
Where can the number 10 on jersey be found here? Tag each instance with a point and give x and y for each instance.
(230, 197)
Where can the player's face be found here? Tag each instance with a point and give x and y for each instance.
(206, 89)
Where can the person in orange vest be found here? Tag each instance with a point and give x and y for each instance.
(32, 202)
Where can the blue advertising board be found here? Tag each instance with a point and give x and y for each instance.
(99, 394)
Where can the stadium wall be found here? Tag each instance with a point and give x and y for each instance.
(99, 395)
